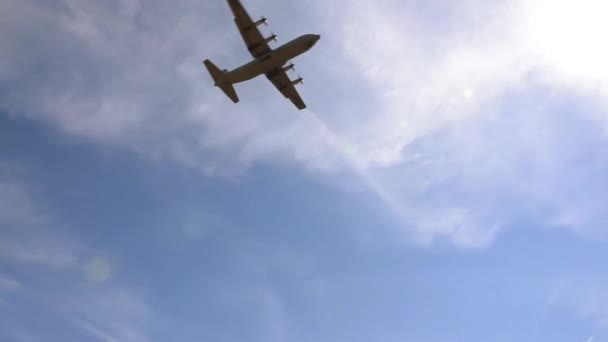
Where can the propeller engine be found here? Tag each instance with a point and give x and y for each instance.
(257, 23)
(288, 67)
(298, 80)
(272, 38)
(260, 22)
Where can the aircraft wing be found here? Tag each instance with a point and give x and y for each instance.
(256, 43)
(282, 82)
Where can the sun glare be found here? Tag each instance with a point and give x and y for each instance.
(570, 36)
(97, 270)
(468, 93)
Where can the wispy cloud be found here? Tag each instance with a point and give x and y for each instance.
(109, 314)
(132, 77)
(15, 200)
(58, 278)
(584, 297)
(24, 228)
(443, 96)
(95, 331)
(8, 284)
(22, 336)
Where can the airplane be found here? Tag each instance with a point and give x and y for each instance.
(266, 61)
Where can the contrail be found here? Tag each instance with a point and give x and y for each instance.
(357, 166)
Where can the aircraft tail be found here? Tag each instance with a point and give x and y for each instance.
(220, 79)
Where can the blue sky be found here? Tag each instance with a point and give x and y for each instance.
(446, 183)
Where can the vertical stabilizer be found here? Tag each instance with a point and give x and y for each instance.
(220, 79)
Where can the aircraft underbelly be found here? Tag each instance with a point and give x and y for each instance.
(260, 66)
(246, 72)
(254, 68)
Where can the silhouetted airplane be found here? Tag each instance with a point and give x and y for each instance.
(267, 61)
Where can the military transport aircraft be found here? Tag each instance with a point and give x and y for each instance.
(267, 61)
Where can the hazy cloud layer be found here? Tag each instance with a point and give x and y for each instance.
(48, 275)
(24, 227)
(461, 119)
(395, 77)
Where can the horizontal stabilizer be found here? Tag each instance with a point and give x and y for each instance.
(221, 81)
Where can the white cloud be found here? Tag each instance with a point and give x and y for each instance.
(130, 75)
(485, 52)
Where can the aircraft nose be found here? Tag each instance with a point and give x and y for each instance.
(313, 39)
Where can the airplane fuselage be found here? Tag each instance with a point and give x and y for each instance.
(274, 59)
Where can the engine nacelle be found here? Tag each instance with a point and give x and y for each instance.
(299, 80)
(260, 22)
(272, 38)
(256, 24)
(288, 67)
